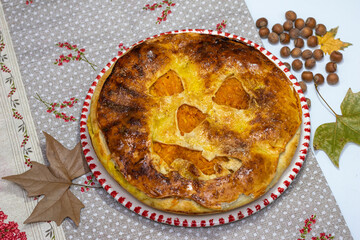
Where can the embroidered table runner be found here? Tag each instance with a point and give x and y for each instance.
(48, 39)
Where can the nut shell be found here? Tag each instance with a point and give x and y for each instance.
(307, 76)
(308, 102)
(284, 38)
(290, 15)
(306, 32)
(303, 86)
(296, 52)
(285, 52)
(261, 22)
(299, 42)
(294, 33)
(264, 32)
(287, 65)
(273, 38)
(299, 23)
(320, 29)
(331, 67)
(306, 54)
(319, 79)
(312, 41)
(318, 54)
(310, 22)
(310, 63)
(336, 56)
(297, 65)
(288, 25)
(277, 28)
(332, 79)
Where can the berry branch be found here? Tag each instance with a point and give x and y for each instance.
(51, 108)
(221, 26)
(14, 104)
(79, 55)
(10, 230)
(164, 13)
(50, 232)
(89, 183)
(307, 228)
(122, 48)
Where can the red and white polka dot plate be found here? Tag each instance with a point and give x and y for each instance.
(126, 199)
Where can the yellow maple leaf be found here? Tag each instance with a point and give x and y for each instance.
(328, 43)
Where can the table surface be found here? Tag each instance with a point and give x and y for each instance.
(345, 181)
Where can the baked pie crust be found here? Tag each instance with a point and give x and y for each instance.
(195, 123)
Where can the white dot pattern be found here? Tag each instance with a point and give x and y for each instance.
(99, 26)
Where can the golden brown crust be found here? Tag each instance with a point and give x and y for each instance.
(172, 103)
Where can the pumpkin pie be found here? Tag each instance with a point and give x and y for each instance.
(195, 123)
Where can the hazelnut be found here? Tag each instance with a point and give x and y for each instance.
(284, 38)
(299, 42)
(297, 64)
(278, 28)
(290, 15)
(331, 67)
(306, 32)
(310, 63)
(303, 86)
(273, 38)
(319, 79)
(332, 78)
(312, 41)
(294, 33)
(336, 56)
(296, 52)
(264, 32)
(261, 22)
(310, 22)
(299, 23)
(285, 52)
(308, 102)
(306, 54)
(307, 76)
(287, 65)
(320, 29)
(318, 54)
(288, 25)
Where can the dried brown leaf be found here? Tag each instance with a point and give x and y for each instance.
(64, 163)
(54, 181)
(51, 208)
(39, 181)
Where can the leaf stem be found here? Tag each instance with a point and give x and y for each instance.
(317, 90)
(91, 64)
(82, 185)
(43, 101)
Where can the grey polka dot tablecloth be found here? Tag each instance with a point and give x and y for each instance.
(98, 27)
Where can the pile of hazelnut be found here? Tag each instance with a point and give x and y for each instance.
(299, 31)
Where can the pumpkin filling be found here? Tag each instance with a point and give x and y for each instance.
(231, 93)
(188, 118)
(167, 85)
(170, 153)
